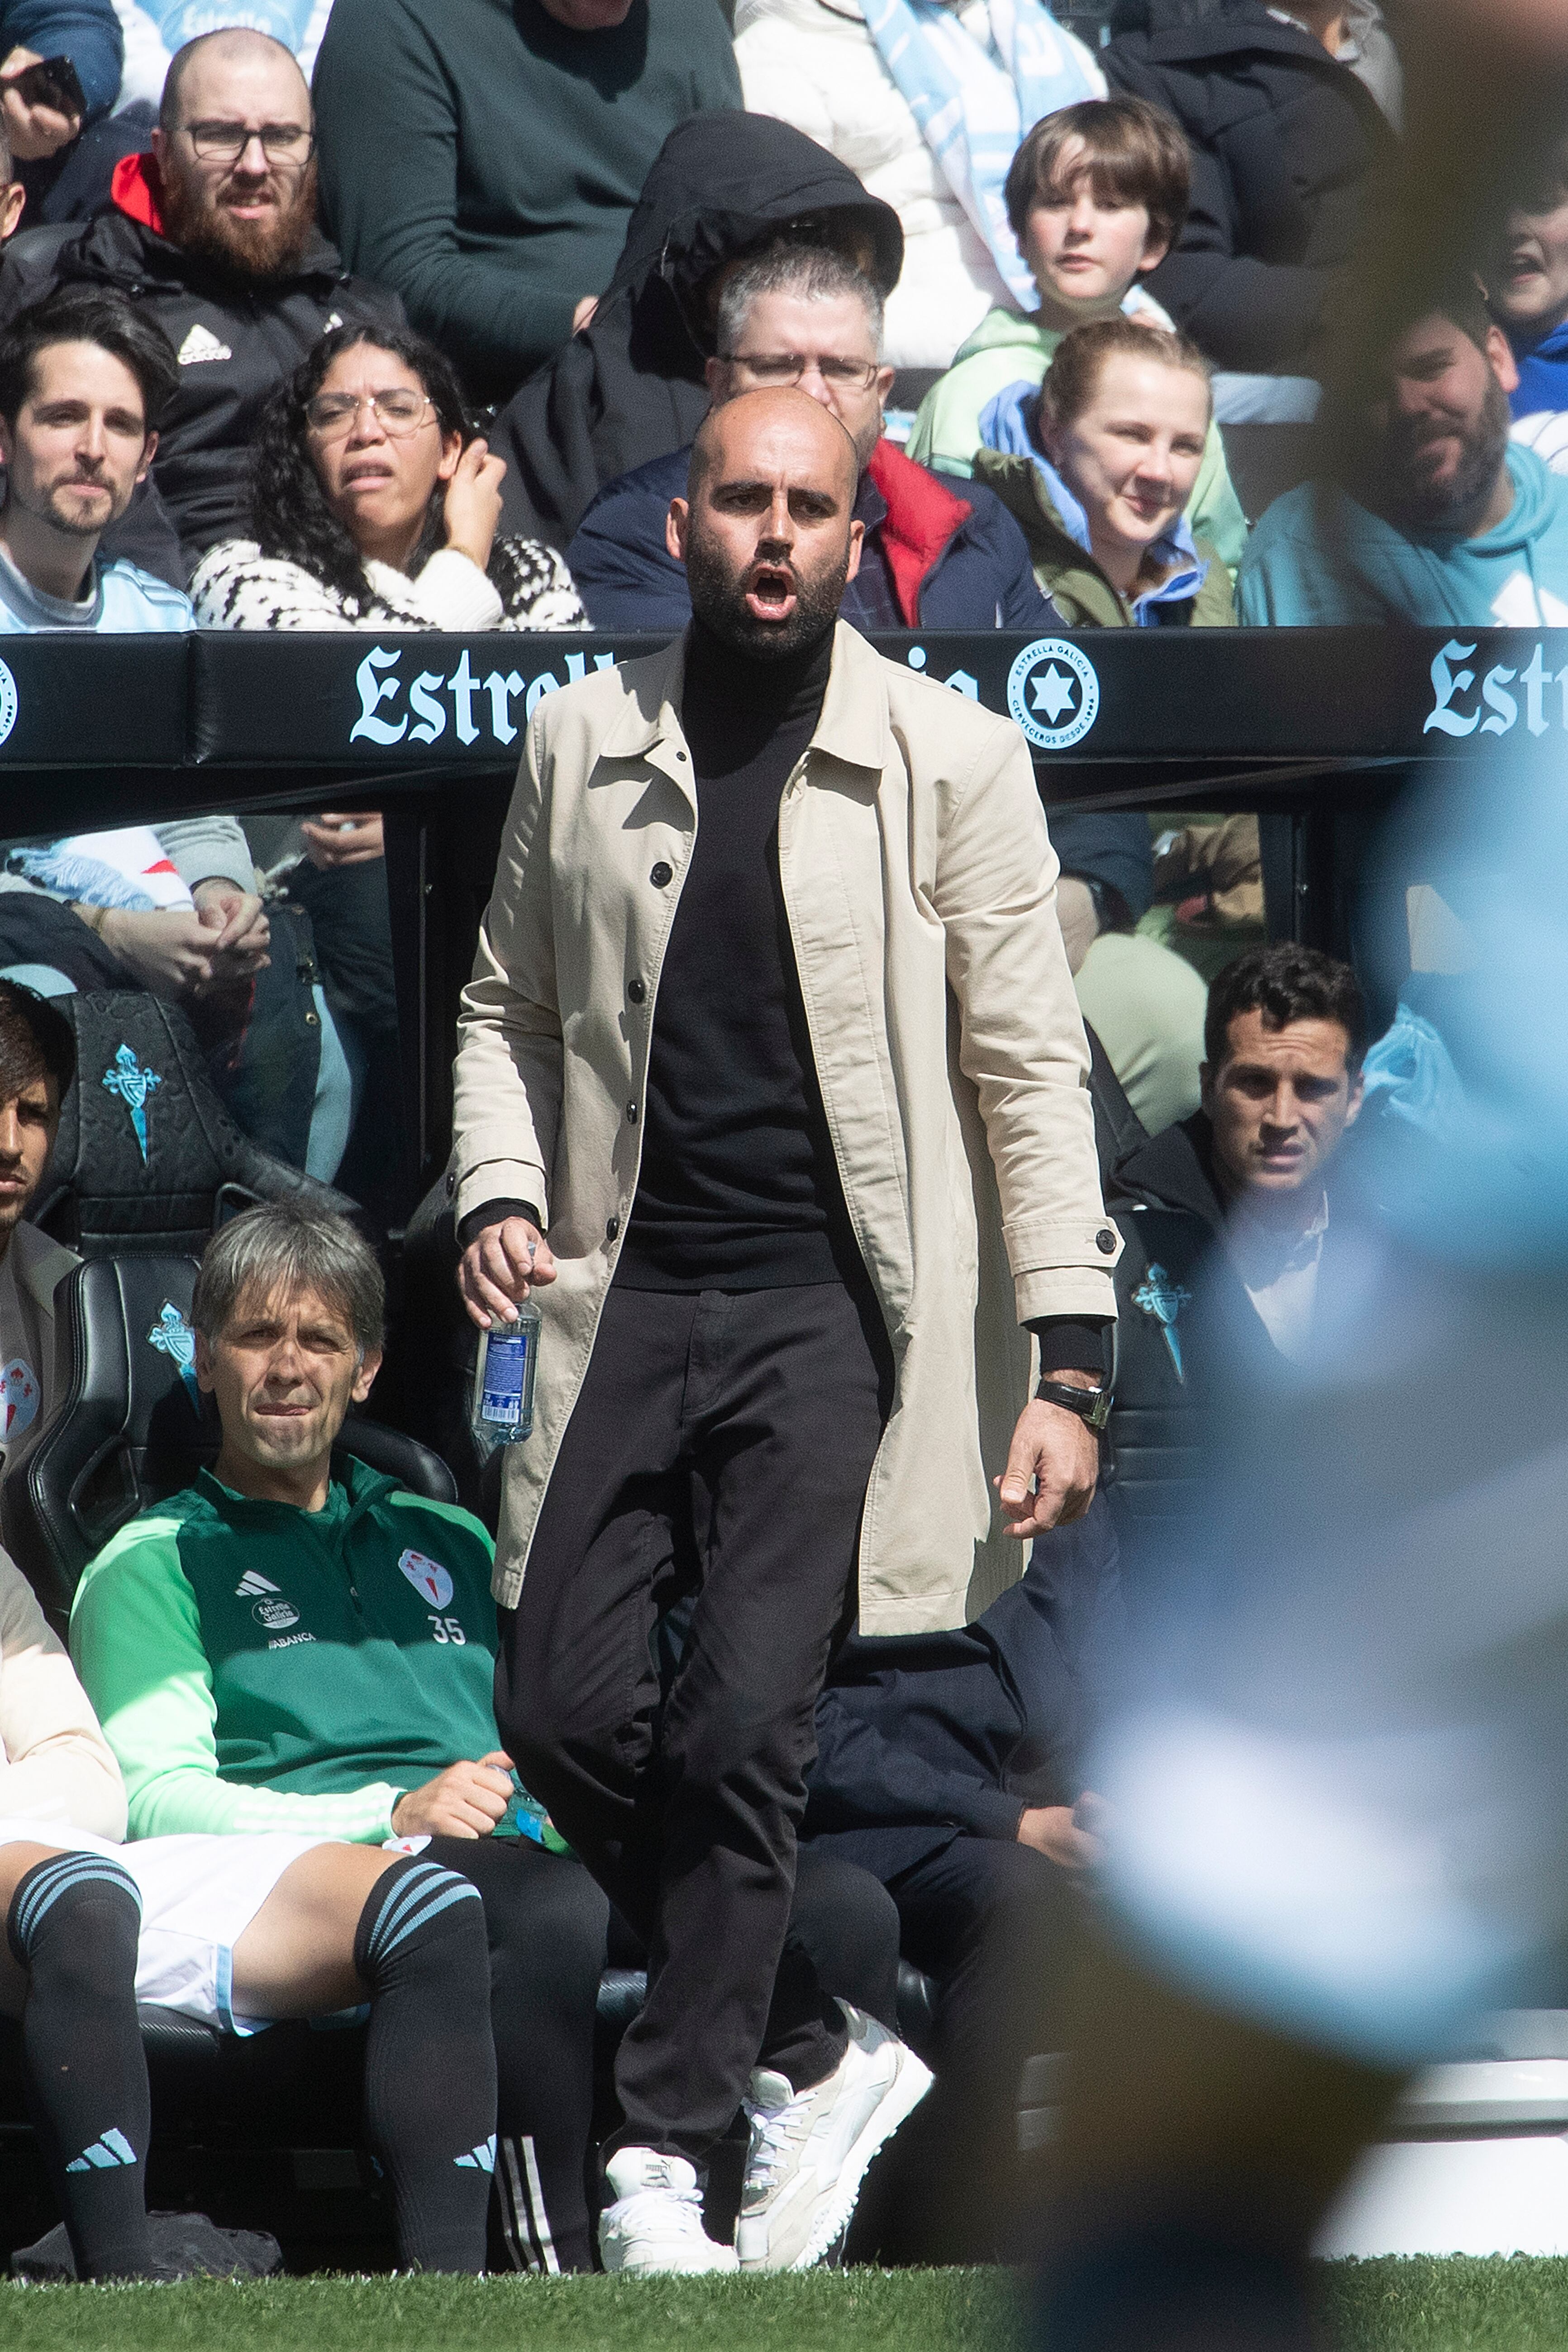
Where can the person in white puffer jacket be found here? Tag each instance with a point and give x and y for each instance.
(814, 63)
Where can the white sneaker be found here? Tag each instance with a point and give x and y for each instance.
(810, 2150)
(656, 2224)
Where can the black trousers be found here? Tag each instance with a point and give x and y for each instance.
(718, 1456)
(547, 1923)
(989, 1922)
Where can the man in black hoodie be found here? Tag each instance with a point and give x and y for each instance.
(214, 234)
(631, 386)
(1289, 144)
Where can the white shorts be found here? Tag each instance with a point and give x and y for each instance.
(199, 1894)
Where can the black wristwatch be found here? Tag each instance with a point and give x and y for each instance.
(1092, 1405)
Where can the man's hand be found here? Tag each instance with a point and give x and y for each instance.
(32, 131)
(1061, 1453)
(1056, 1831)
(240, 928)
(333, 839)
(500, 1268)
(171, 952)
(467, 1800)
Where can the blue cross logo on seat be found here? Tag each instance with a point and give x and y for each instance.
(1158, 1296)
(133, 1085)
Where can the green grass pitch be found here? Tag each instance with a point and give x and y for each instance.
(1386, 2306)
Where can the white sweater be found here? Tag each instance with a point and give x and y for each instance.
(238, 587)
(56, 1766)
(812, 63)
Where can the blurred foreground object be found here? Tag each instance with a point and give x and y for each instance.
(1337, 1788)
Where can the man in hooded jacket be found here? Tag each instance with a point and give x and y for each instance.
(631, 386)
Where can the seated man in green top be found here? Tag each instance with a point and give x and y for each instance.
(297, 1643)
(1096, 196)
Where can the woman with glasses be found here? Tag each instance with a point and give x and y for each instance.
(372, 506)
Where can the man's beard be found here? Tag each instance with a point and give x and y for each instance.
(1448, 505)
(197, 223)
(47, 508)
(719, 604)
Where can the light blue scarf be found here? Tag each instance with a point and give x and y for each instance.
(974, 102)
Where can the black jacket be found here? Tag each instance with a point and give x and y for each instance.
(1188, 1338)
(235, 341)
(1289, 153)
(630, 387)
(923, 1738)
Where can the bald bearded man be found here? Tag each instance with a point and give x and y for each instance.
(748, 888)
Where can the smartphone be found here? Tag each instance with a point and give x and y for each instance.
(53, 81)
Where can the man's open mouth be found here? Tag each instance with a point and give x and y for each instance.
(770, 592)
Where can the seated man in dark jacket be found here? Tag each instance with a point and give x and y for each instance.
(1226, 1218)
(947, 1766)
(1289, 113)
(214, 234)
(937, 554)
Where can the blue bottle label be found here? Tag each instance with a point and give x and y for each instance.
(506, 1376)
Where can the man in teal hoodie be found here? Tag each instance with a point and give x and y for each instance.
(1434, 518)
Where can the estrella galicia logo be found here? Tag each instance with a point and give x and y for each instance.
(9, 702)
(275, 1614)
(1054, 693)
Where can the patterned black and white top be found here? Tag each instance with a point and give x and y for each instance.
(527, 587)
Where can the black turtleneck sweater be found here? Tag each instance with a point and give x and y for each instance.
(739, 1188)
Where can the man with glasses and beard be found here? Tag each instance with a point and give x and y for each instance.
(1432, 515)
(214, 236)
(798, 1093)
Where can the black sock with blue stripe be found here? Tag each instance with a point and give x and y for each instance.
(73, 1925)
(430, 2060)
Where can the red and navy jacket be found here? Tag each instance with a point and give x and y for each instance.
(939, 554)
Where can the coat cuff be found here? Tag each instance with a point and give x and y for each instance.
(994, 1814)
(501, 1180)
(1078, 1291)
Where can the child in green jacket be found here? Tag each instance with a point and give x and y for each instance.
(1097, 468)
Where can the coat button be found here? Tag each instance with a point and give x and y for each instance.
(635, 991)
(631, 1114)
(612, 1229)
(1106, 1240)
(681, 756)
(662, 874)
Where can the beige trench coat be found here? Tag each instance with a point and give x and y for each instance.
(920, 890)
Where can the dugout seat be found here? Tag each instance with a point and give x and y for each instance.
(147, 1157)
(131, 1426)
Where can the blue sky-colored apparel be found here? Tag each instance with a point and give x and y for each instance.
(1543, 373)
(1319, 559)
(1004, 425)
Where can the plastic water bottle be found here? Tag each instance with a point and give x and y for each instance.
(502, 1411)
(528, 1815)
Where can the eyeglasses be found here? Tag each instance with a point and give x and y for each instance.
(225, 143)
(788, 367)
(332, 414)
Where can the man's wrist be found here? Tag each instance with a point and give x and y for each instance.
(495, 1212)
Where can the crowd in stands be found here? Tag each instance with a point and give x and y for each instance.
(302, 334)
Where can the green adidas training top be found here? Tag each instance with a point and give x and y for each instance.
(260, 1667)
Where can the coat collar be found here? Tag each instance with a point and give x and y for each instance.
(851, 728)
(38, 1265)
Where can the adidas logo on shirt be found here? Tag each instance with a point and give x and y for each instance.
(252, 1585)
(106, 2153)
(199, 344)
(479, 2159)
